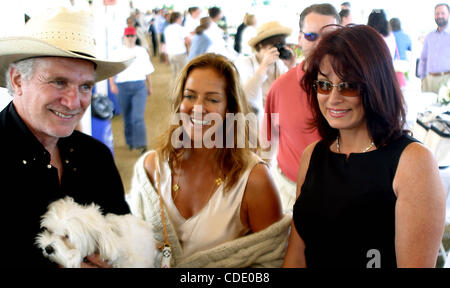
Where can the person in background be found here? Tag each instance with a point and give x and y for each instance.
(238, 36)
(258, 71)
(177, 43)
(142, 39)
(160, 21)
(192, 20)
(345, 5)
(434, 64)
(402, 39)
(367, 182)
(217, 35)
(200, 42)
(43, 157)
(378, 21)
(289, 101)
(215, 32)
(346, 17)
(219, 201)
(153, 36)
(132, 87)
(403, 45)
(162, 27)
(248, 33)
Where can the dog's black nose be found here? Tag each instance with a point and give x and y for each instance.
(49, 250)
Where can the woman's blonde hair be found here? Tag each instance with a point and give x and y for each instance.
(250, 20)
(233, 161)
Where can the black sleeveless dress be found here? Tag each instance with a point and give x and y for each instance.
(346, 207)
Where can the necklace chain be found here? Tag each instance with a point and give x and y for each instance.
(338, 146)
(176, 187)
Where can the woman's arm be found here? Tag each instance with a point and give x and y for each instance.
(261, 204)
(295, 254)
(420, 208)
(148, 83)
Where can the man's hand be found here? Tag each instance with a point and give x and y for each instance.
(94, 261)
(270, 56)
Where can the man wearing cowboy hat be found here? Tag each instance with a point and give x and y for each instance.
(289, 101)
(50, 73)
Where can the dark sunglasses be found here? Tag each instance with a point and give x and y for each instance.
(311, 36)
(129, 36)
(344, 88)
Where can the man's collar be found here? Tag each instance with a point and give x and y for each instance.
(446, 30)
(21, 134)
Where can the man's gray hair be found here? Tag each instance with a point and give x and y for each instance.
(24, 67)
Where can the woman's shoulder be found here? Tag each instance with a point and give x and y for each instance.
(416, 154)
(416, 159)
(307, 153)
(259, 177)
(149, 164)
(261, 199)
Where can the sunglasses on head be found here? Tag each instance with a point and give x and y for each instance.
(311, 36)
(344, 88)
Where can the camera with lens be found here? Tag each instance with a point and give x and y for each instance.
(284, 53)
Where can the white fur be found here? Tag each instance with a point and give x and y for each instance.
(74, 232)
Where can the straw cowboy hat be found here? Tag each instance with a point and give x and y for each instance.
(267, 30)
(61, 33)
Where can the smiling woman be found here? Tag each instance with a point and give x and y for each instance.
(382, 196)
(213, 196)
(204, 93)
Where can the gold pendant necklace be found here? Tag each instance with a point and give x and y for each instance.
(338, 146)
(176, 187)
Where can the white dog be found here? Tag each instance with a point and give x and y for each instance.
(72, 232)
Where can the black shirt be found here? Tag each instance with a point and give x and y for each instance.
(346, 207)
(29, 184)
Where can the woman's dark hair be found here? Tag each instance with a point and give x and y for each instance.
(359, 54)
(378, 21)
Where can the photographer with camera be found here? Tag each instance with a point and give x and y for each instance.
(260, 70)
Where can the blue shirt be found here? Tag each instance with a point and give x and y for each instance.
(403, 44)
(200, 45)
(435, 56)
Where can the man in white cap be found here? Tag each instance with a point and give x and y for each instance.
(50, 73)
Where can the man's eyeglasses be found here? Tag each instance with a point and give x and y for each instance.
(311, 36)
(344, 88)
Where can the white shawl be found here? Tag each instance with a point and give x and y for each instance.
(265, 248)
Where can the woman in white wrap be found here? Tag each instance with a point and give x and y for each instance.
(221, 207)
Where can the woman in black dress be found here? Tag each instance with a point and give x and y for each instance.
(368, 194)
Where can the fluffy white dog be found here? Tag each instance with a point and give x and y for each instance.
(72, 232)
